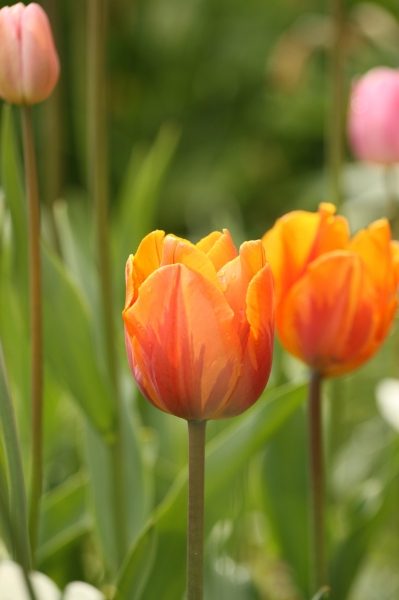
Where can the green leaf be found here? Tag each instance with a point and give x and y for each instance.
(12, 183)
(353, 550)
(165, 577)
(70, 348)
(6, 532)
(371, 457)
(18, 511)
(133, 580)
(136, 495)
(322, 594)
(72, 218)
(221, 580)
(232, 449)
(285, 483)
(14, 335)
(226, 454)
(64, 516)
(140, 192)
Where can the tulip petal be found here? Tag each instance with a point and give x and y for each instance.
(328, 318)
(373, 245)
(379, 255)
(185, 351)
(219, 247)
(258, 349)
(40, 65)
(179, 251)
(129, 280)
(148, 256)
(260, 305)
(235, 277)
(10, 53)
(146, 260)
(206, 243)
(395, 259)
(373, 126)
(298, 238)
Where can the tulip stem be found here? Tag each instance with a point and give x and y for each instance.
(53, 136)
(98, 166)
(335, 133)
(32, 191)
(98, 185)
(316, 464)
(391, 192)
(195, 537)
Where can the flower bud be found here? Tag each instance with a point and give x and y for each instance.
(336, 294)
(373, 123)
(29, 66)
(199, 324)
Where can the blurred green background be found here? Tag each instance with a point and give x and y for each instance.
(217, 117)
(246, 86)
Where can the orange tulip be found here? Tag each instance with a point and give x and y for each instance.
(199, 324)
(336, 295)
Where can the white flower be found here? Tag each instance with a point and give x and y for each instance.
(13, 586)
(388, 401)
(77, 590)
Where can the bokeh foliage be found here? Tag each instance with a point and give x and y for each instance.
(217, 113)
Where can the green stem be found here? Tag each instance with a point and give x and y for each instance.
(98, 184)
(98, 165)
(390, 182)
(53, 130)
(32, 191)
(316, 463)
(17, 506)
(195, 537)
(335, 132)
(335, 144)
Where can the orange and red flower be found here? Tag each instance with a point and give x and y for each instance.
(336, 295)
(199, 323)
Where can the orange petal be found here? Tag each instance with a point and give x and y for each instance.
(186, 353)
(206, 243)
(258, 347)
(177, 250)
(328, 319)
(373, 245)
(395, 259)
(236, 275)
(260, 304)
(298, 238)
(379, 255)
(219, 246)
(129, 297)
(143, 263)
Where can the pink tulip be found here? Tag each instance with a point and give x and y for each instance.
(29, 66)
(374, 116)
